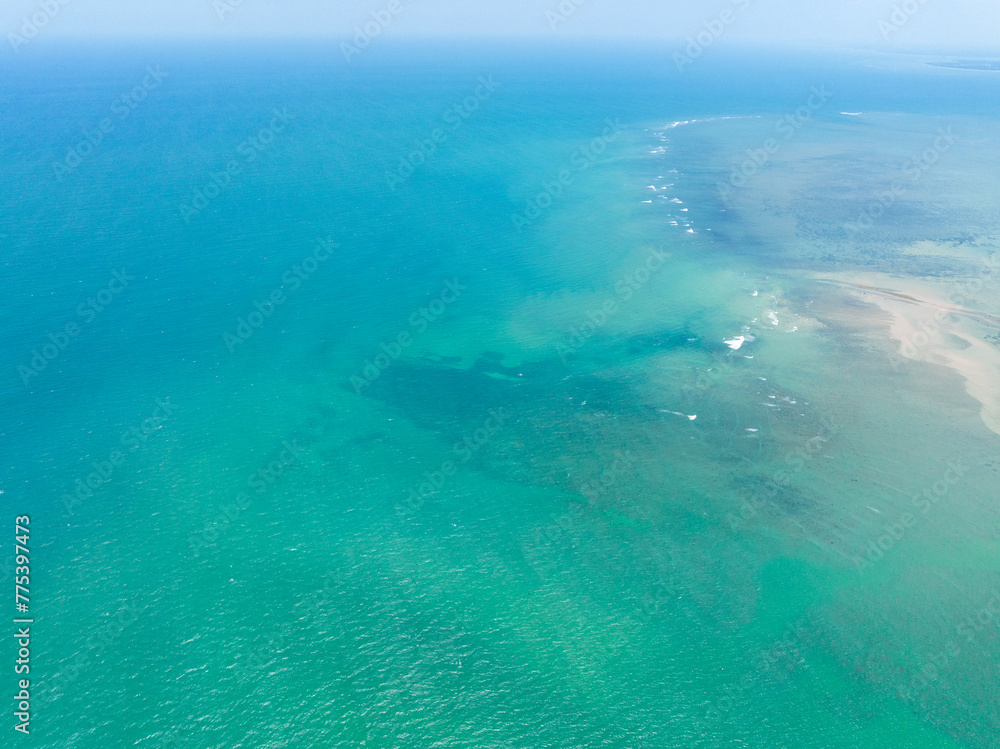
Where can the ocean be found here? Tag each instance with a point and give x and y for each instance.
(497, 395)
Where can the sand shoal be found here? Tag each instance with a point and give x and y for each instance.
(942, 322)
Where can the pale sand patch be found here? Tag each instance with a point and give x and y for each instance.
(931, 327)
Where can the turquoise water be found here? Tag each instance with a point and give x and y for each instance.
(501, 446)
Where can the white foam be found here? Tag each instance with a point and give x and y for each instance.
(678, 413)
(712, 119)
(736, 342)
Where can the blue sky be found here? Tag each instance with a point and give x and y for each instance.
(954, 24)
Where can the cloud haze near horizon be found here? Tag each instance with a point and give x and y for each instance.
(941, 24)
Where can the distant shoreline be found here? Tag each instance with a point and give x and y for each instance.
(969, 65)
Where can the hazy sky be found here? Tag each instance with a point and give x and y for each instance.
(930, 23)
